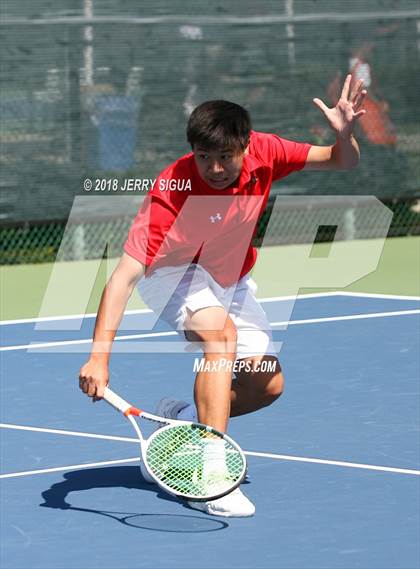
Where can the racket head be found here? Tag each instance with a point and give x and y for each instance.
(174, 457)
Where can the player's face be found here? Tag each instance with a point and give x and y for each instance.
(218, 168)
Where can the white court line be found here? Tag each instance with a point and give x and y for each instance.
(134, 440)
(377, 295)
(67, 317)
(268, 299)
(300, 297)
(350, 317)
(160, 334)
(70, 467)
(67, 433)
(334, 462)
(340, 293)
(147, 310)
(84, 341)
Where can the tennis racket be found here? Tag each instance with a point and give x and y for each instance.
(189, 460)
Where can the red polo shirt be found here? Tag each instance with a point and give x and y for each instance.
(193, 222)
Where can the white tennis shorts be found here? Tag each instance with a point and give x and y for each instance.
(170, 291)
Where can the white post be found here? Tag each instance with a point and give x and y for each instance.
(290, 32)
(78, 242)
(88, 51)
(350, 224)
(418, 35)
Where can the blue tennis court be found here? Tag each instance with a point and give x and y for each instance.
(333, 465)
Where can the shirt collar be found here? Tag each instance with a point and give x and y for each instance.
(249, 165)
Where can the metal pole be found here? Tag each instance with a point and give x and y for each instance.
(88, 51)
(290, 32)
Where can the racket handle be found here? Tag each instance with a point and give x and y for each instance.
(116, 401)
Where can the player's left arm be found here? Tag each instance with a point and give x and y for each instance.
(345, 153)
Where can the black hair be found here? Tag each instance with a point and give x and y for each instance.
(219, 124)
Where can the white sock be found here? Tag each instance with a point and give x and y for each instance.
(214, 457)
(188, 413)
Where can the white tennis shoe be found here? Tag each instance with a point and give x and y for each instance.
(233, 505)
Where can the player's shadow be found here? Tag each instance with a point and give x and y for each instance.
(126, 477)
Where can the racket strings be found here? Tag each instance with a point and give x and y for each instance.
(179, 456)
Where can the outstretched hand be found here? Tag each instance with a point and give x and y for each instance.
(344, 115)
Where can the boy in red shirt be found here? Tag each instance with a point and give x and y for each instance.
(196, 243)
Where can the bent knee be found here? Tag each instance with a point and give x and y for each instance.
(215, 335)
(274, 388)
(269, 386)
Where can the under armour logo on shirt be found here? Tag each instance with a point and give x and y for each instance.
(252, 182)
(215, 218)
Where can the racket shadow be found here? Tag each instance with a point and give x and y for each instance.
(128, 477)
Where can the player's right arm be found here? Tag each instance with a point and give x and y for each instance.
(94, 375)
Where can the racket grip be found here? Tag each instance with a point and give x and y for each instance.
(116, 401)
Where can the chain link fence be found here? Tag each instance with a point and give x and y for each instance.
(103, 90)
(47, 242)
(108, 95)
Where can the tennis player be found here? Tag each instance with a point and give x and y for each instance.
(202, 254)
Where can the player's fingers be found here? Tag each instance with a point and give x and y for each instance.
(100, 391)
(359, 113)
(85, 387)
(83, 375)
(320, 104)
(85, 384)
(91, 389)
(346, 88)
